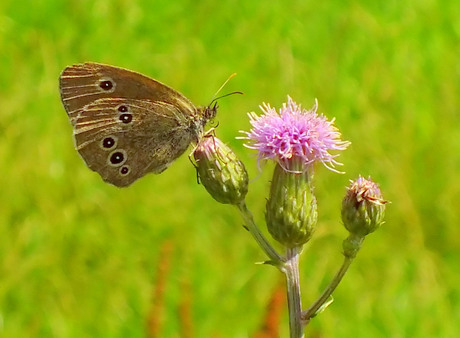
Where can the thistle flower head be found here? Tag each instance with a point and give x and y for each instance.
(294, 134)
(220, 171)
(363, 207)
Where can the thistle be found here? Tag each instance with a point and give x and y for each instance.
(363, 211)
(220, 171)
(295, 139)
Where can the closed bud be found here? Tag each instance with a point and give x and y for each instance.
(220, 171)
(363, 208)
(291, 211)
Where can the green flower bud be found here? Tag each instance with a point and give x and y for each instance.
(220, 171)
(363, 208)
(291, 210)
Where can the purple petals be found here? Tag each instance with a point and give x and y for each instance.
(294, 133)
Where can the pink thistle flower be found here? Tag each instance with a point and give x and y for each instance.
(294, 135)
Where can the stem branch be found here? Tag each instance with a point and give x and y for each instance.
(275, 257)
(308, 314)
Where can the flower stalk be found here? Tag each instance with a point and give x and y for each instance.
(291, 271)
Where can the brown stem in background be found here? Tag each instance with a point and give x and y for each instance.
(275, 308)
(155, 315)
(185, 308)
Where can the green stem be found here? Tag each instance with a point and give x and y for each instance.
(275, 257)
(308, 314)
(291, 270)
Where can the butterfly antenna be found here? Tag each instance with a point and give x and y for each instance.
(215, 98)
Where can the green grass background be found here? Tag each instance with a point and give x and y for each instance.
(79, 258)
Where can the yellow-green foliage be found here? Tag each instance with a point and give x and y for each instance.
(80, 258)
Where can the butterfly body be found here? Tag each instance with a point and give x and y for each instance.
(126, 124)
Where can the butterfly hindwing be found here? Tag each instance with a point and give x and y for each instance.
(123, 139)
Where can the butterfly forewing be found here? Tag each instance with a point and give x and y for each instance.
(84, 83)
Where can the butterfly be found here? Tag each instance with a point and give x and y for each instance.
(125, 124)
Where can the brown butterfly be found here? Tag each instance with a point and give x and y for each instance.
(126, 124)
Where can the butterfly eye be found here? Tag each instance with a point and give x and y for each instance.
(125, 170)
(109, 142)
(117, 158)
(126, 118)
(107, 85)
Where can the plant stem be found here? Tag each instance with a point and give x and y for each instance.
(291, 270)
(308, 314)
(275, 258)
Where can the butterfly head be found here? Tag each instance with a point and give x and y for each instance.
(206, 114)
(210, 111)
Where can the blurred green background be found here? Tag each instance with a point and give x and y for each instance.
(81, 258)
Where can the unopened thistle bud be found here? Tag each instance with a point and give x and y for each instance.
(363, 208)
(291, 211)
(220, 171)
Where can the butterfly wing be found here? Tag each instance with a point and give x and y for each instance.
(81, 84)
(123, 139)
(154, 127)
